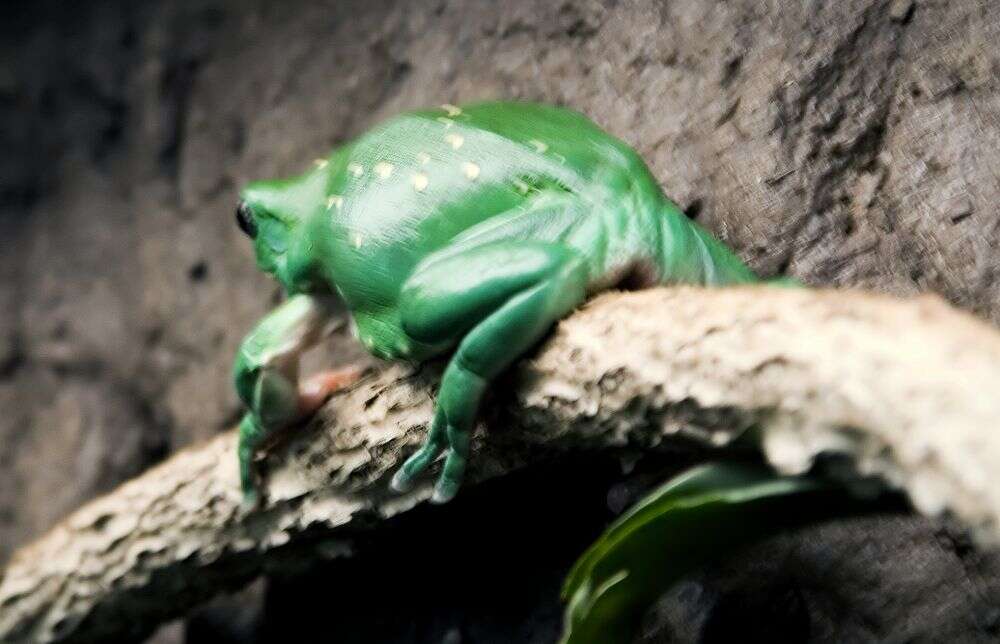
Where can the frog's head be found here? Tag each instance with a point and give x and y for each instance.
(268, 227)
(273, 215)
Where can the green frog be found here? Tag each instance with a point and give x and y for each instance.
(463, 230)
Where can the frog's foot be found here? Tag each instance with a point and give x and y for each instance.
(402, 480)
(454, 464)
(461, 391)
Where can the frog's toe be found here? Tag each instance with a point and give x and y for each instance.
(401, 482)
(445, 491)
(250, 501)
(454, 471)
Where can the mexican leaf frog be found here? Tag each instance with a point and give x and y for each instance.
(468, 230)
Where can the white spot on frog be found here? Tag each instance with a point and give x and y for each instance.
(452, 110)
(419, 181)
(383, 169)
(538, 145)
(455, 140)
(446, 122)
(521, 186)
(320, 163)
(423, 158)
(356, 240)
(471, 170)
(334, 201)
(355, 169)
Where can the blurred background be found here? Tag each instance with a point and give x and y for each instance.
(852, 143)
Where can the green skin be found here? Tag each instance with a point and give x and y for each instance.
(469, 230)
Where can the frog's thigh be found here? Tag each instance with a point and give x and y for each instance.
(446, 297)
(499, 299)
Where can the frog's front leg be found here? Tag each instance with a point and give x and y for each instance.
(266, 376)
(496, 301)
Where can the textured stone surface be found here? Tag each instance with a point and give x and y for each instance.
(848, 143)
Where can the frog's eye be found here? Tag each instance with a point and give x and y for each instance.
(244, 219)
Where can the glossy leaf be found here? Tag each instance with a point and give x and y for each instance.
(695, 518)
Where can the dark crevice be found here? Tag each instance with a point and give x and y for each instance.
(13, 361)
(198, 271)
(777, 613)
(730, 70)
(785, 264)
(693, 209)
(176, 83)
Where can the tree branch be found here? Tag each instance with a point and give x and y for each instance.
(909, 389)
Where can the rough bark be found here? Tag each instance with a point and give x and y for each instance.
(906, 389)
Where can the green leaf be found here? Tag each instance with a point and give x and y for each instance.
(696, 517)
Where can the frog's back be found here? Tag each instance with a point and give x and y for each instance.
(412, 184)
(420, 164)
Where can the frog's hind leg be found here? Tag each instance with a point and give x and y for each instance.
(496, 301)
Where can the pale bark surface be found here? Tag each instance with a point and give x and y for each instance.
(904, 388)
